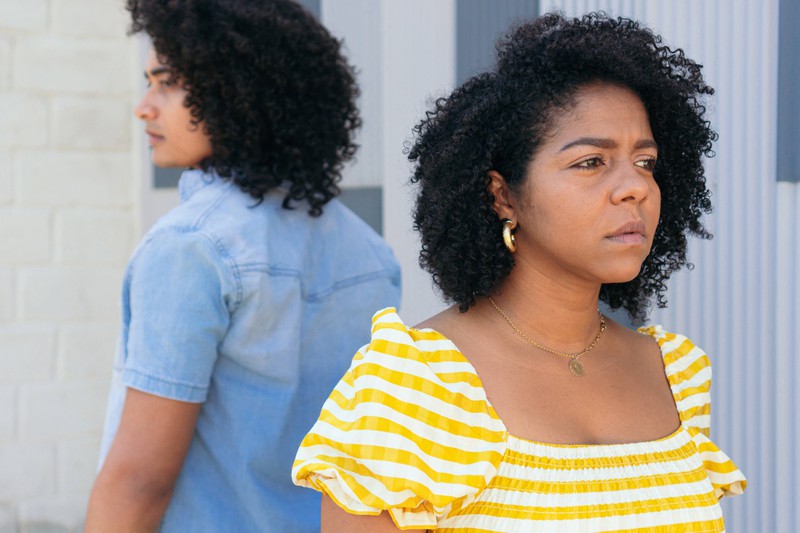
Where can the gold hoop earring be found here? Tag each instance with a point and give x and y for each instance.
(508, 237)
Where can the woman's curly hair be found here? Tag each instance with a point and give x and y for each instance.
(498, 119)
(271, 85)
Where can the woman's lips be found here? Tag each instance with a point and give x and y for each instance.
(628, 238)
(629, 233)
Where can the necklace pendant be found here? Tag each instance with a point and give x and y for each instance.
(576, 367)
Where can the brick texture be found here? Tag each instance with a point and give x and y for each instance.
(8, 519)
(77, 463)
(49, 411)
(8, 413)
(69, 293)
(29, 353)
(6, 178)
(93, 236)
(72, 66)
(70, 198)
(61, 513)
(25, 15)
(70, 178)
(90, 18)
(24, 120)
(25, 238)
(7, 294)
(86, 350)
(5, 63)
(92, 123)
(26, 470)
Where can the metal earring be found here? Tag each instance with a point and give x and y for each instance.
(508, 237)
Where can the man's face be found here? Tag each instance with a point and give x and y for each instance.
(174, 139)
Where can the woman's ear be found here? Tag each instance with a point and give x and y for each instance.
(498, 187)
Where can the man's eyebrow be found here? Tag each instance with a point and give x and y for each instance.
(607, 143)
(156, 71)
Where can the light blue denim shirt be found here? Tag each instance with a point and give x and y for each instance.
(256, 311)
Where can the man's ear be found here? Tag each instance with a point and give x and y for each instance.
(503, 203)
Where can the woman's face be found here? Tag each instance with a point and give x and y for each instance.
(590, 206)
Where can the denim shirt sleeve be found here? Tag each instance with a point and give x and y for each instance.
(180, 294)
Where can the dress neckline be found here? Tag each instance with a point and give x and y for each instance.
(524, 444)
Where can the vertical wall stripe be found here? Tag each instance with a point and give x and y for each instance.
(358, 24)
(312, 5)
(788, 82)
(741, 301)
(479, 24)
(418, 54)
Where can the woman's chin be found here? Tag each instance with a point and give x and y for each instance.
(623, 275)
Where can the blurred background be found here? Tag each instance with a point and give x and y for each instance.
(77, 191)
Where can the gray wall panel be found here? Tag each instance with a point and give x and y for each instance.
(312, 5)
(479, 24)
(788, 92)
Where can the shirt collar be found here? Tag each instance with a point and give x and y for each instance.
(192, 180)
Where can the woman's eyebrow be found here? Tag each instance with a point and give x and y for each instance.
(607, 143)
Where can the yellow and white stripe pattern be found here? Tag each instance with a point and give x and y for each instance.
(409, 430)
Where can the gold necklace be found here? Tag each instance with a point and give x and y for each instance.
(575, 366)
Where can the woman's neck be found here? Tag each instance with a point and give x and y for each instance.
(558, 314)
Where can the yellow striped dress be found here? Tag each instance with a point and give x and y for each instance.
(409, 430)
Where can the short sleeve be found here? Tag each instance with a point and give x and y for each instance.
(688, 370)
(408, 430)
(178, 294)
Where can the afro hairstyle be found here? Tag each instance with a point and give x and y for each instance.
(496, 120)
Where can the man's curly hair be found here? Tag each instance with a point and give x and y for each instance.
(271, 85)
(497, 120)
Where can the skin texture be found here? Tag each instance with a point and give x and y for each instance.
(175, 139)
(134, 486)
(592, 175)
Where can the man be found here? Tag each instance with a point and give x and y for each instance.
(243, 305)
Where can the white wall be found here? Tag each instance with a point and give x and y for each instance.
(67, 224)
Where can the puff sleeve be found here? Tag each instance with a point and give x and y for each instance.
(408, 430)
(688, 370)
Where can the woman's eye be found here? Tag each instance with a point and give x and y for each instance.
(592, 162)
(647, 164)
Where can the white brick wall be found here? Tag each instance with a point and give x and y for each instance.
(69, 211)
(91, 123)
(30, 15)
(5, 63)
(24, 120)
(6, 178)
(7, 297)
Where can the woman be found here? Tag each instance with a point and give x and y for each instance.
(570, 174)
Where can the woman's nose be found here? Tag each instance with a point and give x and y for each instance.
(632, 183)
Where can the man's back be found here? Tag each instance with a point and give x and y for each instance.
(280, 301)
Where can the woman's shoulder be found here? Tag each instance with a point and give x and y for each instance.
(408, 429)
(677, 350)
(391, 336)
(688, 370)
